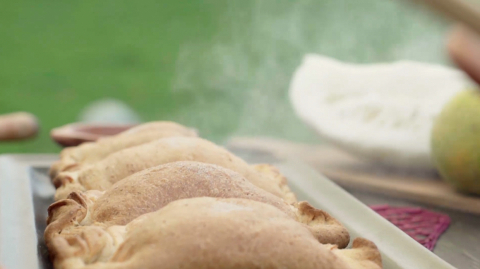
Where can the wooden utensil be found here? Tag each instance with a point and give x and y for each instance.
(18, 126)
(459, 10)
(349, 172)
(76, 133)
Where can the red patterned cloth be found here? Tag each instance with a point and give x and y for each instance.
(422, 225)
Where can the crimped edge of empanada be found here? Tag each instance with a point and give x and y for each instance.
(322, 225)
(276, 176)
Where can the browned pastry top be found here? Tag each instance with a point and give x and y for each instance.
(219, 233)
(117, 166)
(74, 157)
(157, 196)
(152, 189)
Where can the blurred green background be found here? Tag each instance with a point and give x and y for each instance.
(221, 66)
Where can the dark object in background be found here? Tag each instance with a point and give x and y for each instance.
(76, 133)
(18, 126)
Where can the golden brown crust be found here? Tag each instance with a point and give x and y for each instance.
(93, 244)
(215, 233)
(73, 158)
(103, 174)
(62, 216)
(276, 176)
(160, 126)
(66, 184)
(136, 201)
(327, 229)
(151, 189)
(363, 254)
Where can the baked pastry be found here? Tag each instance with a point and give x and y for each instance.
(152, 189)
(158, 196)
(103, 174)
(74, 157)
(210, 233)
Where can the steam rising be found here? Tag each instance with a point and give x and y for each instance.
(237, 83)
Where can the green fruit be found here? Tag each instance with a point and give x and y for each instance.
(455, 142)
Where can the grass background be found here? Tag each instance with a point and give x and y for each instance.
(220, 66)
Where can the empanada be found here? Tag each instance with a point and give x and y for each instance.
(152, 189)
(74, 157)
(103, 174)
(210, 233)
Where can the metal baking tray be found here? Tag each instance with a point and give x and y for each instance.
(26, 192)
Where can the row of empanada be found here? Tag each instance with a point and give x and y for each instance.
(145, 205)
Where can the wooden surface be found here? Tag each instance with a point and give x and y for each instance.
(349, 172)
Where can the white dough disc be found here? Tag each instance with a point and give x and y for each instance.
(378, 112)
